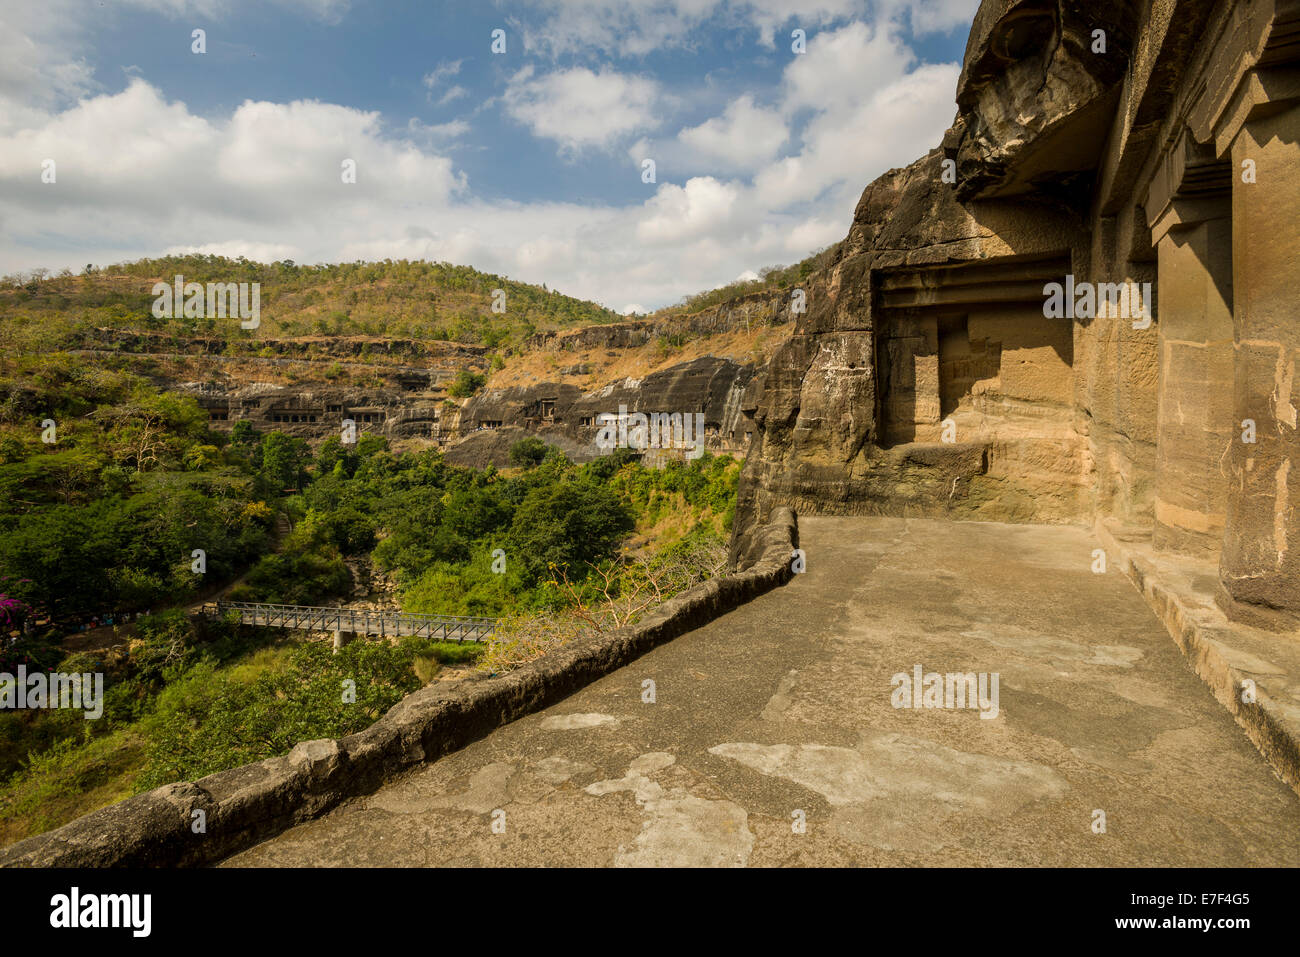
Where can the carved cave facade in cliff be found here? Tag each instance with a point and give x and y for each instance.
(1172, 159)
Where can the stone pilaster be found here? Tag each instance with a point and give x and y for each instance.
(1260, 563)
(1194, 396)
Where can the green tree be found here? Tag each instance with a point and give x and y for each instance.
(529, 452)
(569, 524)
(466, 384)
(284, 460)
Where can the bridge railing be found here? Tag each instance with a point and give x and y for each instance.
(356, 620)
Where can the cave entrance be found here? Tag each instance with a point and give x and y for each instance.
(971, 343)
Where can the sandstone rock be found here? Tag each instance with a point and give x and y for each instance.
(1097, 143)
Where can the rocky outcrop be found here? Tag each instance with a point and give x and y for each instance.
(1117, 153)
(849, 418)
(571, 419)
(769, 307)
(411, 405)
(304, 347)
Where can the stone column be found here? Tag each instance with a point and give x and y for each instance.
(1194, 416)
(1260, 565)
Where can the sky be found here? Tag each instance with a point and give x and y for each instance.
(527, 161)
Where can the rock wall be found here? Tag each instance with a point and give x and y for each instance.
(563, 415)
(1100, 148)
(412, 405)
(772, 307)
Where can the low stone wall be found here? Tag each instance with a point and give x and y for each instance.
(252, 803)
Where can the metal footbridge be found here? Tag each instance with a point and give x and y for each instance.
(355, 621)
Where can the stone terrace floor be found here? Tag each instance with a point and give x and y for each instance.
(784, 705)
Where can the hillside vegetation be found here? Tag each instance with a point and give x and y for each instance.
(102, 515)
(770, 278)
(393, 299)
(110, 481)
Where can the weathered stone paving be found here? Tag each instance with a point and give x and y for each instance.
(785, 705)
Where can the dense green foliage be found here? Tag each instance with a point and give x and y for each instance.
(148, 483)
(213, 718)
(117, 498)
(106, 517)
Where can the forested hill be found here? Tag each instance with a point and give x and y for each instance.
(391, 299)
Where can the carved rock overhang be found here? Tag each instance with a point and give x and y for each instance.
(1242, 67)
(1017, 131)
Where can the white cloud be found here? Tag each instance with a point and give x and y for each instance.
(41, 65)
(871, 109)
(579, 108)
(813, 234)
(932, 16)
(435, 78)
(755, 185)
(234, 248)
(744, 135)
(842, 67)
(439, 131)
(327, 11)
(43, 46)
(768, 16)
(704, 206)
(138, 156)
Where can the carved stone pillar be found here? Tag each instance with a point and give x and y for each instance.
(1191, 201)
(1260, 563)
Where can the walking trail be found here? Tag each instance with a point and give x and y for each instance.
(781, 712)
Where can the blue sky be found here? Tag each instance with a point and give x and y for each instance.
(527, 162)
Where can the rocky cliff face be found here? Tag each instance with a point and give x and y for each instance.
(1108, 150)
(821, 442)
(564, 403)
(923, 380)
(557, 386)
(571, 419)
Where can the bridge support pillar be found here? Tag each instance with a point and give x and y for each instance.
(341, 638)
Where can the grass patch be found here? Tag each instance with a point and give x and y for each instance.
(69, 780)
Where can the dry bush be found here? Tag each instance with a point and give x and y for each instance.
(615, 595)
(634, 583)
(426, 668)
(517, 641)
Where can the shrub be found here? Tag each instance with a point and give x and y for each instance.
(466, 384)
(529, 452)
